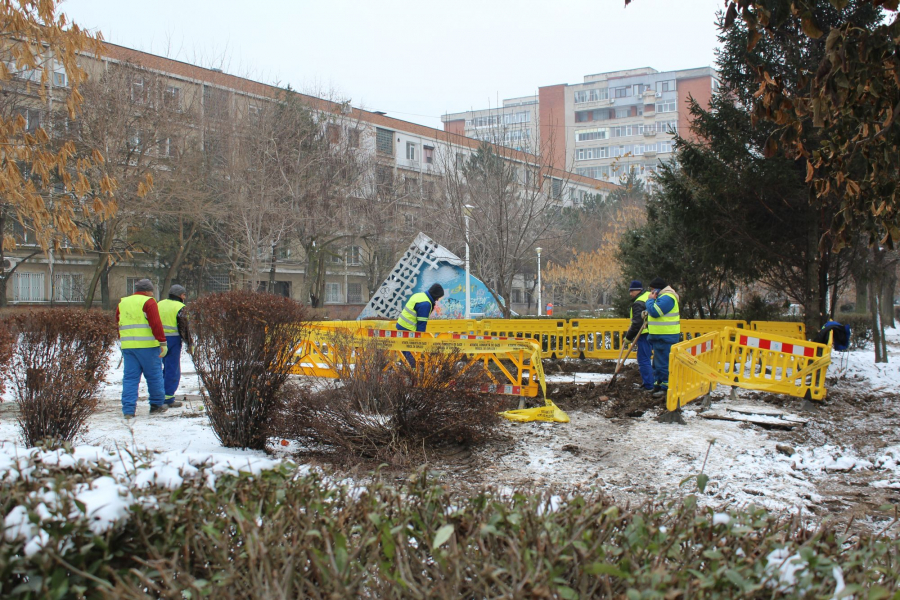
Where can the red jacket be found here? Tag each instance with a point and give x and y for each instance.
(151, 312)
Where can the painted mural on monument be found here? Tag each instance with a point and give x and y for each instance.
(424, 263)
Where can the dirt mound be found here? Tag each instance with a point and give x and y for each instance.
(628, 398)
(571, 365)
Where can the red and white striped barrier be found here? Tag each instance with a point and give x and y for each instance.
(796, 349)
(706, 346)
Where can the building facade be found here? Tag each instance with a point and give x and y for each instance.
(514, 125)
(406, 163)
(612, 122)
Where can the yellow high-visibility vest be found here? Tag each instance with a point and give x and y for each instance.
(641, 298)
(408, 319)
(134, 329)
(168, 314)
(669, 323)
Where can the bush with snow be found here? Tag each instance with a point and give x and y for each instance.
(88, 522)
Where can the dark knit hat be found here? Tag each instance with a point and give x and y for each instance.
(177, 290)
(635, 286)
(658, 283)
(436, 292)
(143, 285)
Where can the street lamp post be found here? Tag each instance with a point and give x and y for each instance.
(468, 313)
(539, 281)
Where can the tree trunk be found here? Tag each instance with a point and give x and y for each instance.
(104, 289)
(5, 276)
(183, 250)
(877, 281)
(888, 284)
(811, 304)
(101, 266)
(272, 270)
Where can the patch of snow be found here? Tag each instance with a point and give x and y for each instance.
(721, 519)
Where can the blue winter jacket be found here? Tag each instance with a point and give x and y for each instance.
(423, 311)
(658, 308)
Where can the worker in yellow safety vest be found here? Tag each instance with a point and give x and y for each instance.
(664, 326)
(639, 334)
(414, 316)
(175, 324)
(143, 342)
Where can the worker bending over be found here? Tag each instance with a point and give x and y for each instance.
(414, 316)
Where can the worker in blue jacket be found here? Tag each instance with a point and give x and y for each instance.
(414, 316)
(664, 325)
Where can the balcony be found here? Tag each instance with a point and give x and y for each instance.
(649, 133)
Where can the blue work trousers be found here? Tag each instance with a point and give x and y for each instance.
(140, 361)
(171, 366)
(644, 353)
(407, 355)
(661, 348)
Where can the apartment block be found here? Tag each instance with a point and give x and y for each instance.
(612, 122)
(514, 125)
(407, 162)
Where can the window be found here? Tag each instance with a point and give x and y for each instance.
(517, 296)
(665, 147)
(622, 113)
(410, 185)
(354, 256)
(140, 90)
(215, 102)
(665, 86)
(164, 147)
(460, 161)
(428, 190)
(638, 150)
(592, 153)
(332, 293)
(428, 152)
(68, 287)
(384, 141)
(586, 135)
(61, 80)
(253, 112)
(354, 293)
(591, 95)
(335, 258)
(332, 133)
(409, 221)
(384, 178)
(32, 118)
(28, 287)
(517, 117)
(666, 106)
(556, 188)
(353, 138)
(410, 151)
(214, 283)
(593, 172)
(624, 131)
(622, 92)
(172, 97)
(667, 126)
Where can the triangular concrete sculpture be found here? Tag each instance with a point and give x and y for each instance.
(424, 263)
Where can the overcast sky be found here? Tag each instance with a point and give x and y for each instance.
(413, 60)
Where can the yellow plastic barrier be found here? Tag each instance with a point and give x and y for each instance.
(694, 328)
(597, 338)
(517, 361)
(753, 360)
(551, 334)
(789, 329)
(687, 382)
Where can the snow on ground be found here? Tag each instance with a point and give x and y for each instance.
(850, 446)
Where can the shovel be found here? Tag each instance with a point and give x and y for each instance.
(621, 359)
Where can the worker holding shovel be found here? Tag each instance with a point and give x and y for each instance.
(639, 331)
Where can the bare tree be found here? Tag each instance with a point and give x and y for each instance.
(135, 117)
(515, 202)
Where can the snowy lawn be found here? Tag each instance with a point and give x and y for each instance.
(630, 458)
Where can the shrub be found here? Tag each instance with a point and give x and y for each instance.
(60, 361)
(280, 535)
(386, 410)
(756, 308)
(243, 345)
